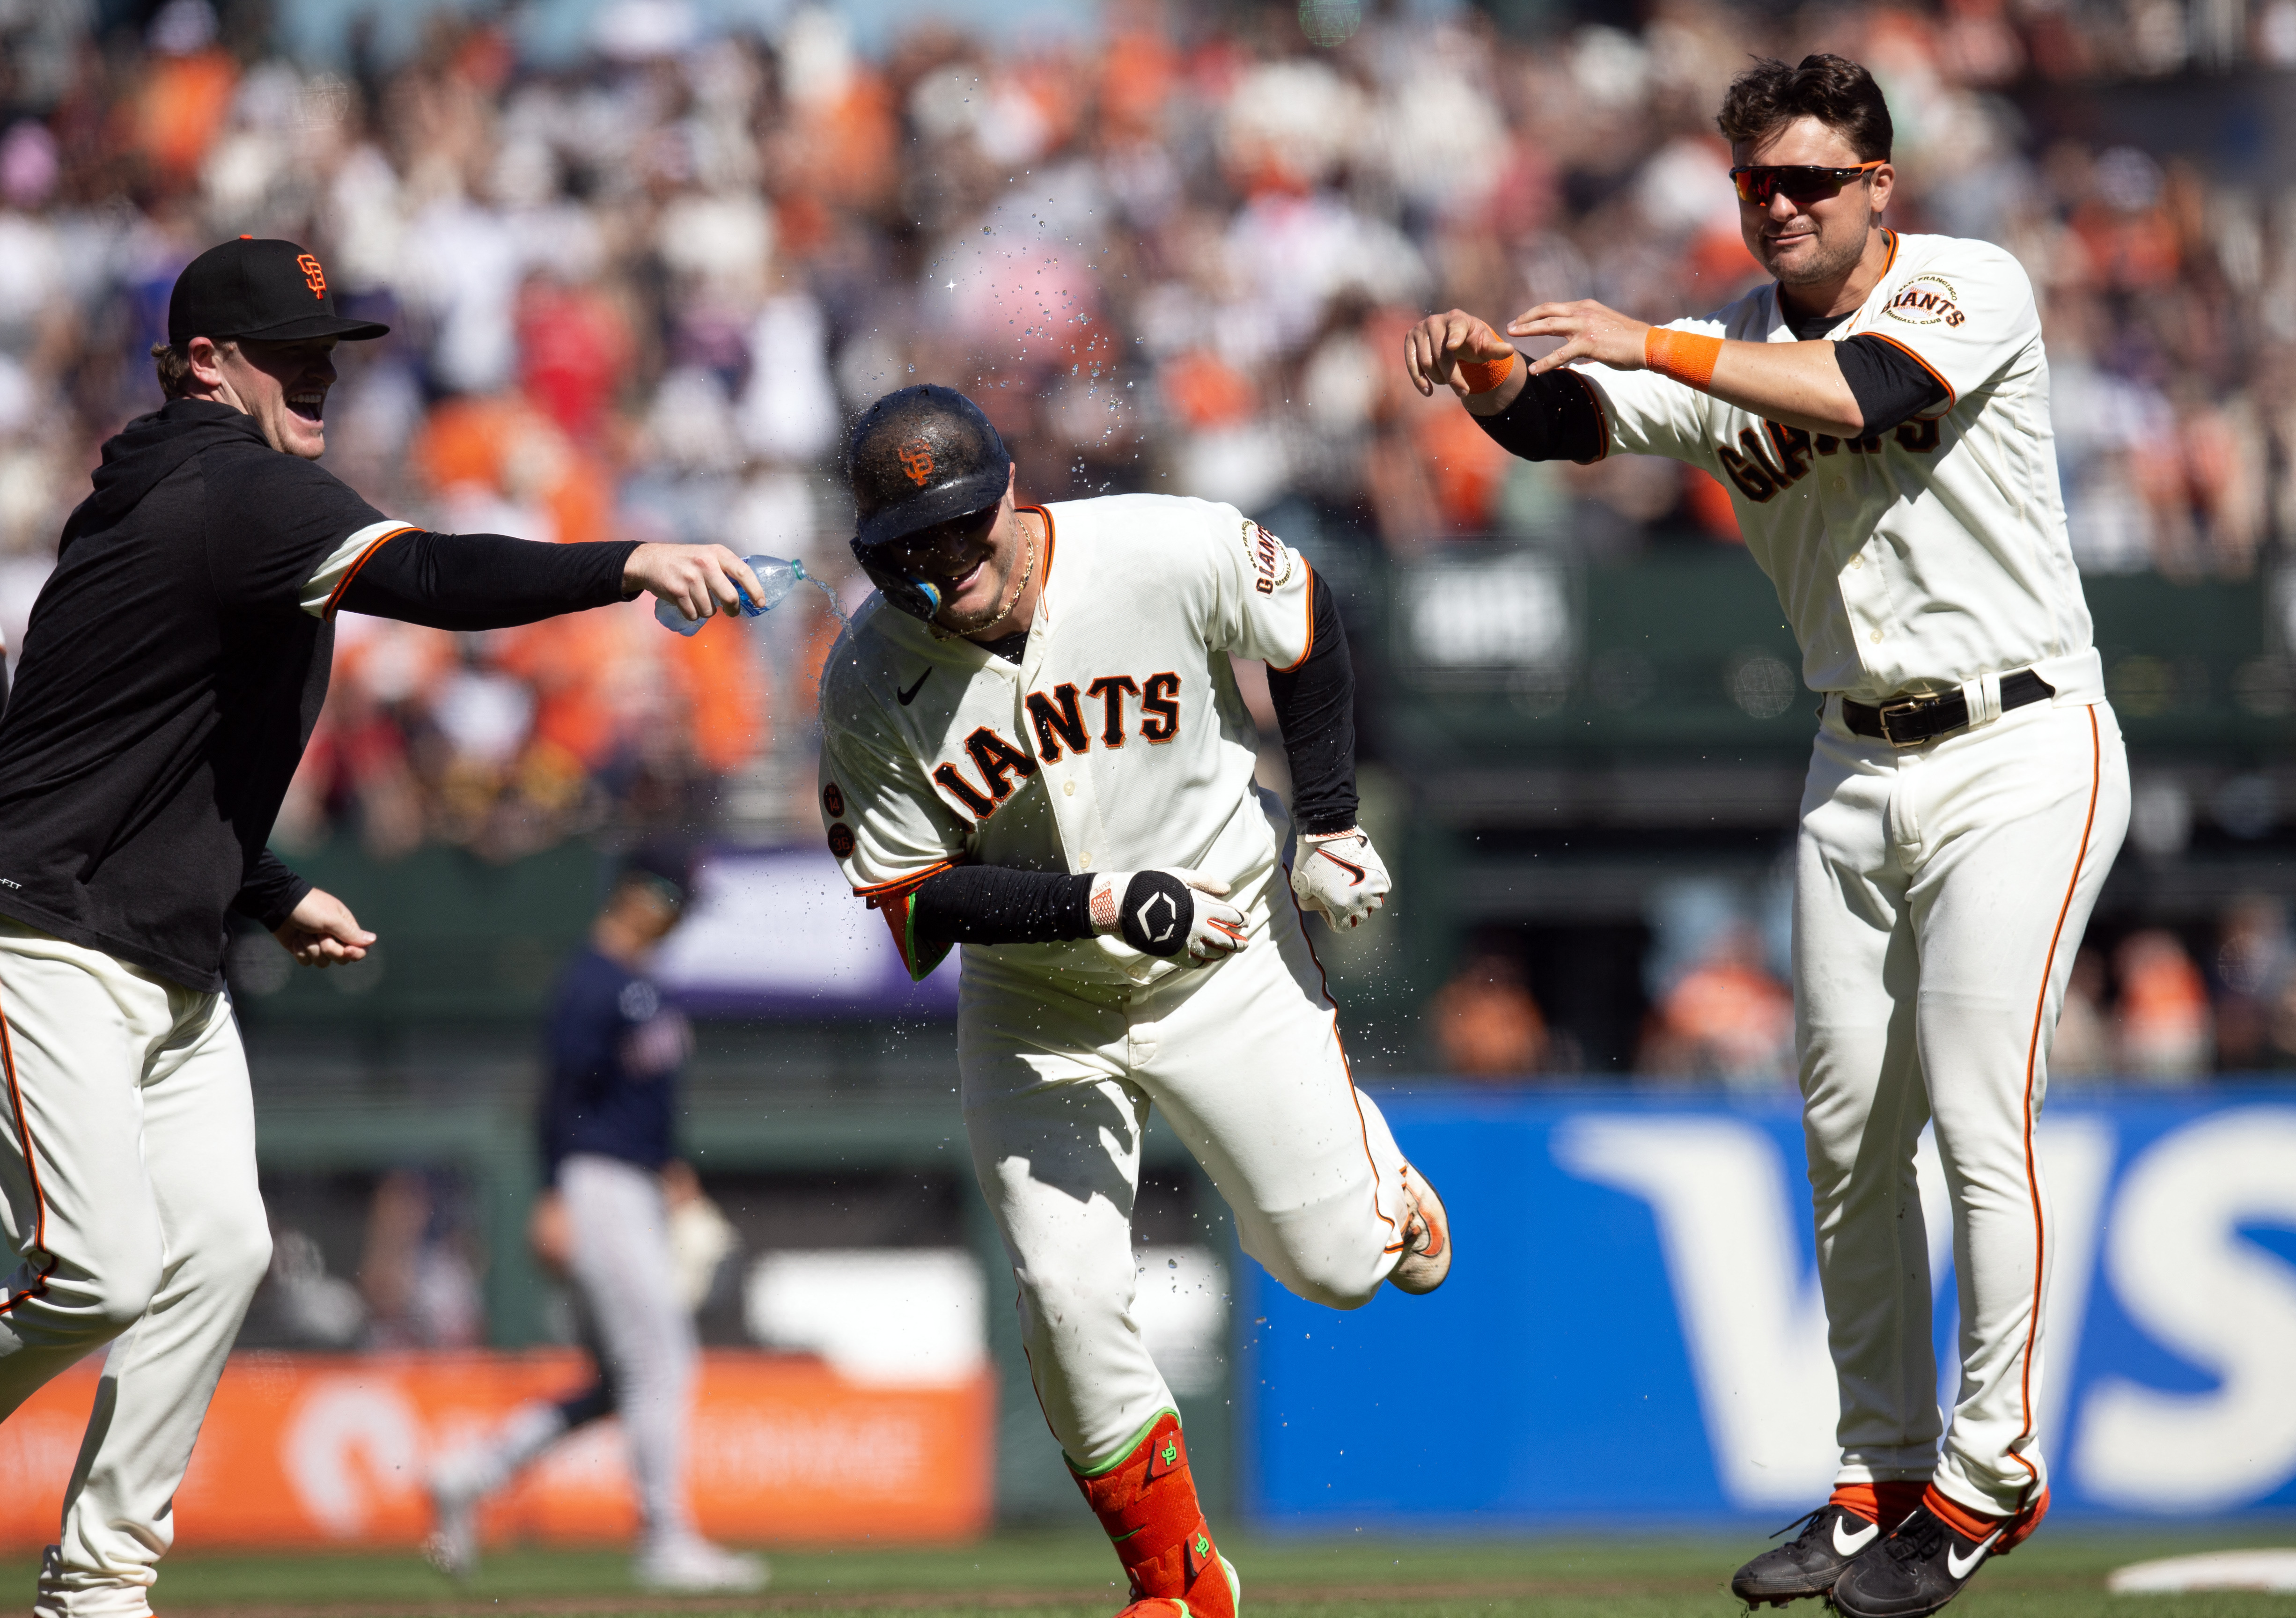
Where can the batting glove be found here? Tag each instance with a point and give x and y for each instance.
(1175, 913)
(1339, 874)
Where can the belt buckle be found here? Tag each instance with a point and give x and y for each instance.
(1909, 705)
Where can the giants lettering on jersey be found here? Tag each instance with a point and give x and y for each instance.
(1778, 457)
(1059, 722)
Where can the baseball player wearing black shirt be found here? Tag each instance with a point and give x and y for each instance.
(175, 664)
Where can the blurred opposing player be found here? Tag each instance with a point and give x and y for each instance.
(610, 1221)
(1880, 415)
(1033, 746)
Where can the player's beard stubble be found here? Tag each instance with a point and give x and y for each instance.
(1835, 243)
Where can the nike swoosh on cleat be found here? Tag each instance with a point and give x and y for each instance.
(1960, 1569)
(909, 695)
(1850, 1545)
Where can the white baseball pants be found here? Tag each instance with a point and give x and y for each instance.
(129, 1202)
(622, 1262)
(1243, 1059)
(1940, 896)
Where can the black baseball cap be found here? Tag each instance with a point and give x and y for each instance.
(273, 290)
(922, 456)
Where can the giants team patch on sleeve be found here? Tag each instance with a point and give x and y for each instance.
(1927, 300)
(1271, 563)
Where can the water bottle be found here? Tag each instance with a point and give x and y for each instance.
(776, 577)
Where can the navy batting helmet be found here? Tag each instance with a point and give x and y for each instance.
(917, 458)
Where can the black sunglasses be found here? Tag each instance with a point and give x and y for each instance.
(1759, 183)
(916, 553)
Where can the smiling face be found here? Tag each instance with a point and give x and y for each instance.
(282, 385)
(980, 565)
(1815, 244)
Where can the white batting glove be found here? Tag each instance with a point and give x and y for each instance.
(1175, 913)
(1339, 874)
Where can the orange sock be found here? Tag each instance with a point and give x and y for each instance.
(2015, 1528)
(1147, 1504)
(1885, 1504)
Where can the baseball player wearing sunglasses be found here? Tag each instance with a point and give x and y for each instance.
(1881, 415)
(1033, 746)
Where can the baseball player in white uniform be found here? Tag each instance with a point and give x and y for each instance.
(1033, 745)
(1881, 416)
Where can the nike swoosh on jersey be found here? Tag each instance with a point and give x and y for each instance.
(1960, 1569)
(909, 695)
(1849, 1544)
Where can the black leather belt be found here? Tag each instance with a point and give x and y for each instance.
(1910, 721)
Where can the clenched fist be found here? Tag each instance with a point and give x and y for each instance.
(1339, 874)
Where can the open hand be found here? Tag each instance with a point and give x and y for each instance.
(321, 930)
(697, 580)
(1588, 331)
(1434, 349)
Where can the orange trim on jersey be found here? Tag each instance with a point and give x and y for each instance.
(1303, 656)
(881, 890)
(335, 596)
(1046, 577)
(1890, 263)
(2032, 1065)
(1951, 398)
(39, 1286)
(1323, 986)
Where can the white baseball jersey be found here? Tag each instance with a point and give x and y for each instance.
(1117, 743)
(1917, 559)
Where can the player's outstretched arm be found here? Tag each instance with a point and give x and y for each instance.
(1799, 384)
(492, 581)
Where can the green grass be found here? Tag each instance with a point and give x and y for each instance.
(1072, 1575)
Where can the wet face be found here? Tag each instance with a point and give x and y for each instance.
(978, 563)
(1813, 240)
(282, 385)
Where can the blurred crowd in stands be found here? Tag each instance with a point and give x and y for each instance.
(2154, 1006)
(641, 257)
(638, 279)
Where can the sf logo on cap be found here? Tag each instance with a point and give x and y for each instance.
(916, 460)
(313, 276)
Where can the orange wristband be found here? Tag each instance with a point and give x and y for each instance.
(1482, 375)
(1687, 357)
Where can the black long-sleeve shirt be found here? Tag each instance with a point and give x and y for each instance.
(171, 676)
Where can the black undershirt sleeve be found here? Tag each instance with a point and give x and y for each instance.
(483, 582)
(1554, 418)
(996, 904)
(1316, 708)
(270, 892)
(1889, 385)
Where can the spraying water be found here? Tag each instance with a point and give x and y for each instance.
(835, 605)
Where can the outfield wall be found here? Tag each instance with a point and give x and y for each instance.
(327, 1450)
(1633, 1330)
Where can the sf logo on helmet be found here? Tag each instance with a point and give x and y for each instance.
(313, 276)
(916, 460)
(1145, 917)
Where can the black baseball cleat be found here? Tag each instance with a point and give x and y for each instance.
(1914, 1570)
(1807, 1566)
